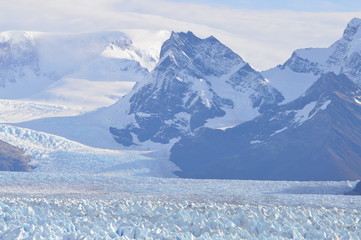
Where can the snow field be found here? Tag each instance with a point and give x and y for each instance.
(15, 111)
(41, 218)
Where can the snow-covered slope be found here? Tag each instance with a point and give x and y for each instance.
(15, 111)
(305, 65)
(82, 93)
(45, 66)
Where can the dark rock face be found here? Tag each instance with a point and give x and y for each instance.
(13, 158)
(180, 94)
(357, 189)
(301, 65)
(315, 137)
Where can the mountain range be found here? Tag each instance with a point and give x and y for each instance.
(315, 137)
(216, 115)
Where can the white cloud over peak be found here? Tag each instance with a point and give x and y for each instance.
(262, 37)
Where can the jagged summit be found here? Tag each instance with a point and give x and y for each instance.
(355, 22)
(202, 56)
(353, 27)
(189, 36)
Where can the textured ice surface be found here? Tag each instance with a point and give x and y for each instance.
(14, 111)
(79, 192)
(53, 154)
(40, 218)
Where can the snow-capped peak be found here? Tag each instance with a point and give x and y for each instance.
(306, 65)
(187, 51)
(196, 80)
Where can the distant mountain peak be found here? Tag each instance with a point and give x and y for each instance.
(305, 66)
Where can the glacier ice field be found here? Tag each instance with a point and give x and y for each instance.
(82, 192)
(43, 218)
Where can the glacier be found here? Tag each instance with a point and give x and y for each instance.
(40, 218)
(80, 192)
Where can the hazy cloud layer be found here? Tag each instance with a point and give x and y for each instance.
(296, 5)
(262, 37)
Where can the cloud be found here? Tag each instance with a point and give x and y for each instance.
(262, 37)
(295, 5)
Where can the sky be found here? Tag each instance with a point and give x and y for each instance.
(295, 5)
(263, 32)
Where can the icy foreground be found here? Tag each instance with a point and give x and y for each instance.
(80, 192)
(40, 218)
(97, 206)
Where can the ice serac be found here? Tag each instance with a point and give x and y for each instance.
(197, 82)
(315, 137)
(306, 65)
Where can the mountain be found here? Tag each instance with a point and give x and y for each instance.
(306, 65)
(197, 82)
(59, 67)
(315, 137)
